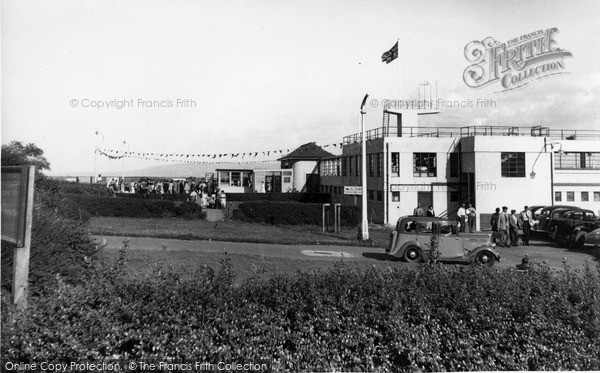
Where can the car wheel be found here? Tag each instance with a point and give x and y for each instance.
(580, 240)
(412, 254)
(485, 258)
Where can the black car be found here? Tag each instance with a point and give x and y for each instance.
(571, 225)
(545, 216)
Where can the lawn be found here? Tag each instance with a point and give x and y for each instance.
(233, 231)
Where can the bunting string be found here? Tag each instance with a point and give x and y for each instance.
(201, 158)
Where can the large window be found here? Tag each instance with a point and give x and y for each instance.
(395, 164)
(371, 165)
(577, 160)
(424, 164)
(379, 164)
(570, 196)
(358, 165)
(557, 196)
(513, 164)
(596, 196)
(224, 178)
(344, 166)
(585, 196)
(350, 166)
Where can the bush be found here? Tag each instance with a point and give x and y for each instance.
(293, 213)
(73, 188)
(424, 318)
(138, 208)
(60, 243)
(242, 197)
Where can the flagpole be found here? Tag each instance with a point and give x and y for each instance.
(398, 58)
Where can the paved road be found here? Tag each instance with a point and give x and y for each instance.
(539, 251)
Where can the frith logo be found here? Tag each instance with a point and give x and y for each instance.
(514, 63)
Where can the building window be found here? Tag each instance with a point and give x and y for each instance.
(454, 165)
(513, 164)
(585, 196)
(236, 179)
(395, 196)
(558, 196)
(224, 178)
(350, 166)
(570, 196)
(344, 166)
(246, 179)
(577, 160)
(371, 194)
(358, 165)
(396, 164)
(596, 196)
(379, 164)
(380, 195)
(371, 165)
(424, 164)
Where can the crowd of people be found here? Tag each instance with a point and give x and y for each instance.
(506, 226)
(206, 194)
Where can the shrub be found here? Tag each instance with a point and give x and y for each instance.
(73, 188)
(140, 208)
(242, 197)
(293, 213)
(424, 318)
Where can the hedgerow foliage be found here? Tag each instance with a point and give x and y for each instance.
(294, 213)
(137, 208)
(60, 243)
(426, 318)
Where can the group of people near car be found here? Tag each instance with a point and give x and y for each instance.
(506, 226)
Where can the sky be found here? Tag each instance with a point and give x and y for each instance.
(266, 75)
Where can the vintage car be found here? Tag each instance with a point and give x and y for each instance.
(588, 240)
(569, 226)
(412, 237)
(545, 215)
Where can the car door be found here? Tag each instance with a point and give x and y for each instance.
(450, 244)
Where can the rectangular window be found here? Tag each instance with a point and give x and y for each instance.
(371, 165)
(236, 179)
(224, 178)
(395, 196)
(570, 196)
(585, 196)
(350, 166)
(246, 179)
(287, 179)
(344, 166)
(358, 165)
(396, 164)
(513, 164)
(454, 165)
(424, 164)
(596, 196)
(577, 160)
(371, 194)
(558, 196)
(380, 195)
(379, 164)
(337, 167)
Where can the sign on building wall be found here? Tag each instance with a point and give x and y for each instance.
(352, 190)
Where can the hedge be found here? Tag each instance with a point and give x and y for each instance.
(395, 319)
(138, 208)
(293, 213)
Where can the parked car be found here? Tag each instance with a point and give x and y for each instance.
(591, 239)
(571, 225)
(411, 242)
(545, 215)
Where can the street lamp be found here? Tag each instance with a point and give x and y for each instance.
(544, 149)
(96, 155)
(123, 162)
(364, 227)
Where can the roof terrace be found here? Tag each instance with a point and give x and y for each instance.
(535, 131)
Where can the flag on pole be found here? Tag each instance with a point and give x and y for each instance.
(390, 55)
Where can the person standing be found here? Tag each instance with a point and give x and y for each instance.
(503, 226)
(462, 216)
(418, 211)
(514, 228)
(430, 212)
(494, 224)
(472, 213)
(222, 199)
(526, 219)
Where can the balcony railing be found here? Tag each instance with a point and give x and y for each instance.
(536, 131)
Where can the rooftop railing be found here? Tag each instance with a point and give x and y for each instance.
(536, 131)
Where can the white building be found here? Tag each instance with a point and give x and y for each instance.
(445, 166)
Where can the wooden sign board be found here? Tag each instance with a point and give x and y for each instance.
(17, 218)
(353, 190)
(15, 182)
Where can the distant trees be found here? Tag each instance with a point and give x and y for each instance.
(17, 154)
